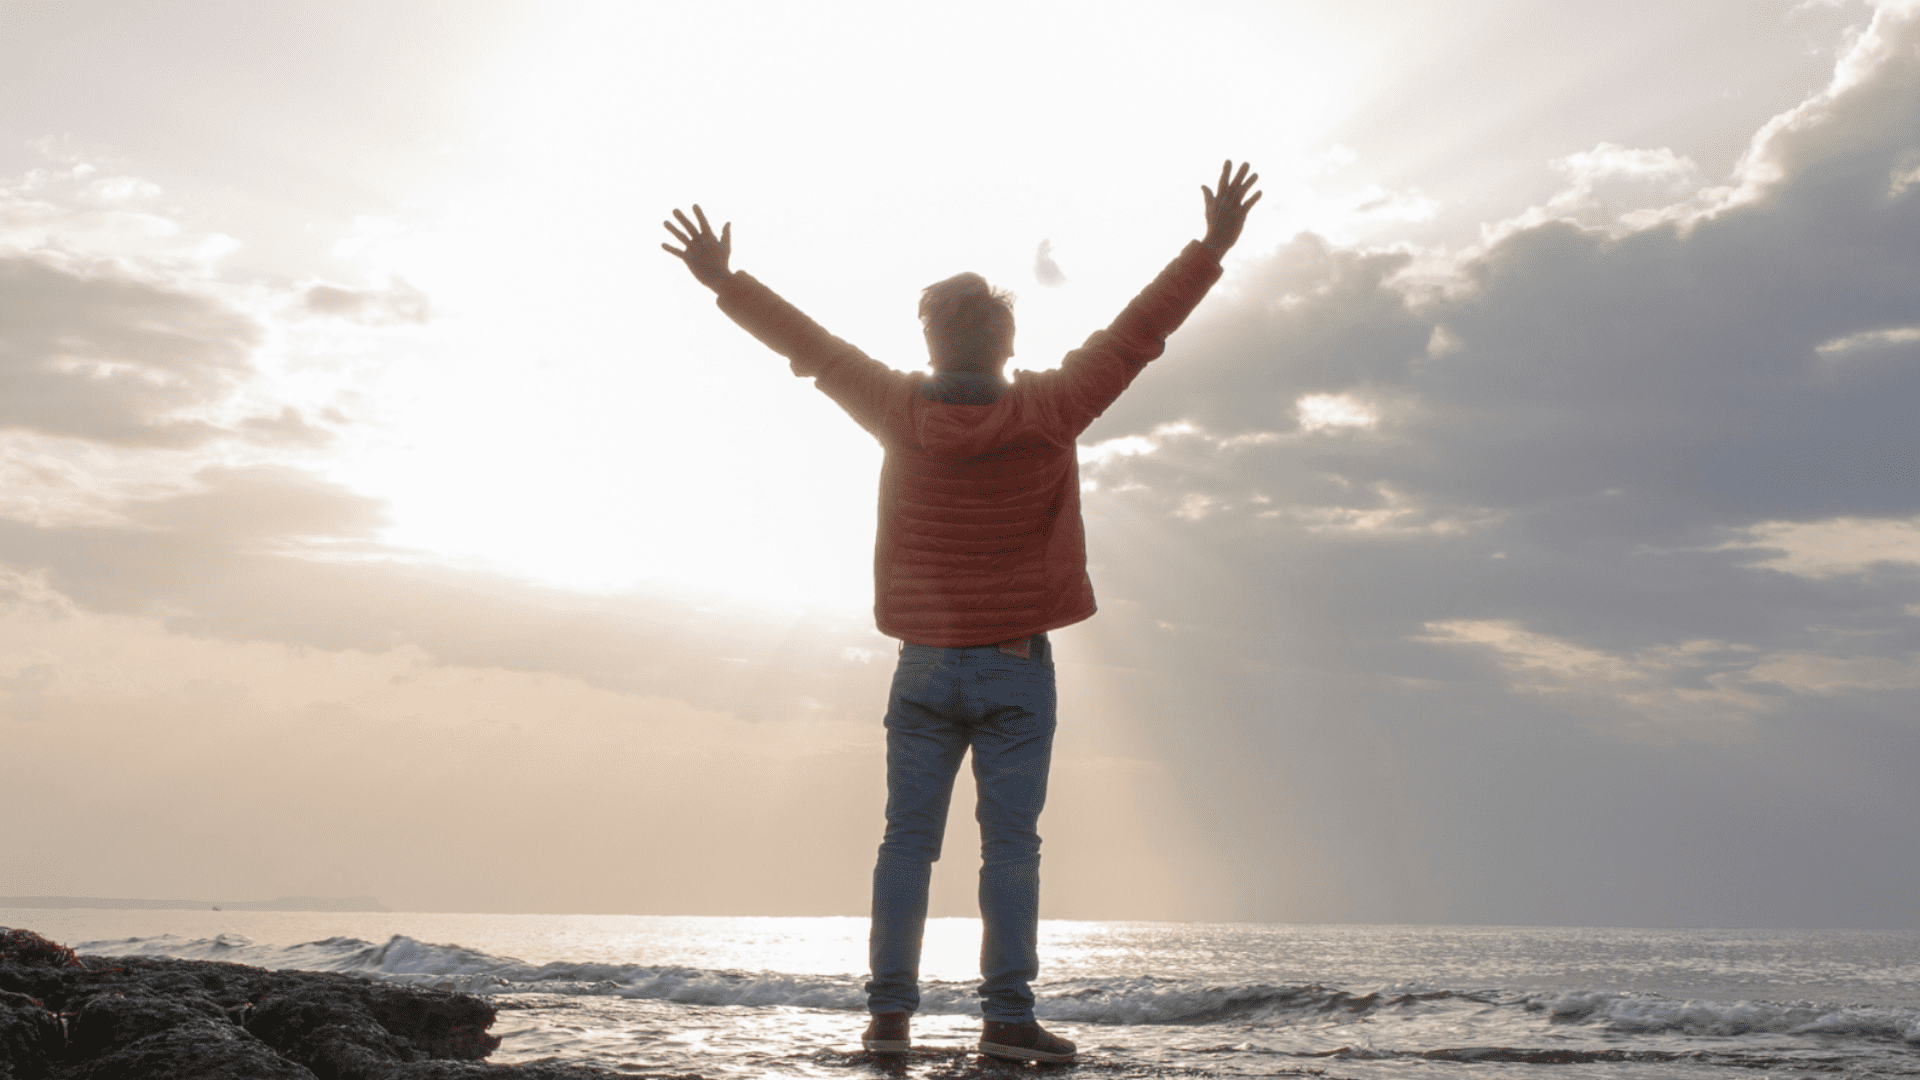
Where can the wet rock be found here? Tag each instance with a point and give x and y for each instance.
(338, 1020)
(109, 1021)
(195, 1049)
(139, 1018)
(30, 1038)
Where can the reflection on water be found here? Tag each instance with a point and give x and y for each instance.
(758, 996)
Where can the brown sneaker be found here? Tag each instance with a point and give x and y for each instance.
(887, 1034)
(1024, 1042)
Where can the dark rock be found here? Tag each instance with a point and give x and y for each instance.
(343, 1027)
(140, 1018)
(108, 1021)
(30, 1038)
(195, 1049)
(32, 980)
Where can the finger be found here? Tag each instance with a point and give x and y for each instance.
(1207, 193)
(677, 234)
(674, 251)
(1226, 174)
(684, 223)
(1248, 205)
(1249, 182)
(1242, 178)
(705, 229)
(726, 236)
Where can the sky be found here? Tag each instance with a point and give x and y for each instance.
(1526, 530)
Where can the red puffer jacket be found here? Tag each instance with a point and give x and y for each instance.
(980, 539)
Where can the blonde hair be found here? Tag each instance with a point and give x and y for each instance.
(960, 316)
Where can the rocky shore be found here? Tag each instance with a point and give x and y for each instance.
(67, 1017)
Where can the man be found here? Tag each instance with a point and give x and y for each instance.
(980, 553)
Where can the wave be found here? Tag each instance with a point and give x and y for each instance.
(1150, 1000)
(1652, 1014)
(455, 967)
(1120, 1001)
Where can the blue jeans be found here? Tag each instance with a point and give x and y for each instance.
(943, 701)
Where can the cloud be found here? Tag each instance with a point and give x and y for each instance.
(114, 327)
(71, 211)
(399, 302)
(273, 554)
(1608, 161)
(109, 358)
(262, 503)
(1612, 185)
(288, 427)
(1868, 341)
(1836, 546)
(1688, 684)
(1676, 366)
(118, 328)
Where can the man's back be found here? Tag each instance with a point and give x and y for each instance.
(979, 536)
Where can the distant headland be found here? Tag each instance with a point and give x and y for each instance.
(285, 903)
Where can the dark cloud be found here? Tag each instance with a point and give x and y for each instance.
(1312, 318)
(1661, 387)
(111, 359)
(1492, 618)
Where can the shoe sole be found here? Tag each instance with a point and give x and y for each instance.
(1022, 1053)
(886, 1046)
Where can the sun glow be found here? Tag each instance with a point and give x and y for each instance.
(578, 413)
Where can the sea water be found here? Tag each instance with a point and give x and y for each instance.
(736, 997)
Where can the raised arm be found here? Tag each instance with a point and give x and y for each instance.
(1093, 375)
(859, 383)
(705, 254)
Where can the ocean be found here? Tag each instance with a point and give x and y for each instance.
(739, 997)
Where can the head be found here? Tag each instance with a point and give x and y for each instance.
(969, 324)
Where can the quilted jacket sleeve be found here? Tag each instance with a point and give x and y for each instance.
(1093, 375)
(860, 384)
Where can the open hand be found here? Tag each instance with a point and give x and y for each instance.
(1227, 211)
(705, 254)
